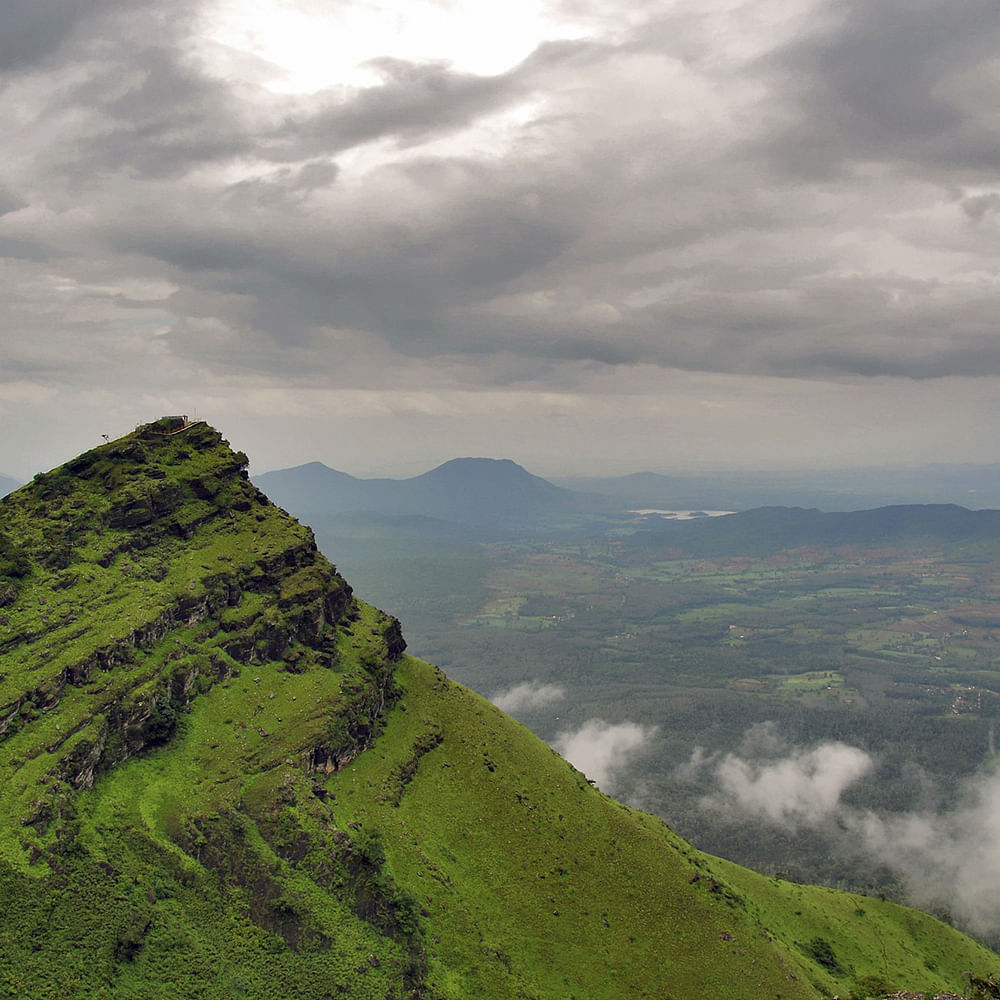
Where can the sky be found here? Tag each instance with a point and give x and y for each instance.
(588, 235)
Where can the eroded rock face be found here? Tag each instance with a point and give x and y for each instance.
(173, 574)
(156, 606)
(395, 643)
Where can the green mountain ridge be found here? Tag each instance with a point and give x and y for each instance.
(222, 776)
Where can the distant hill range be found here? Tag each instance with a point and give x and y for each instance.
(7, 485)
(976, 486)
(483, 497)
(470, 491)
(774, 529)
(222, 776)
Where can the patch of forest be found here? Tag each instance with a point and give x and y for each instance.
(887, 646)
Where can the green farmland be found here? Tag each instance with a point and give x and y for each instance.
(892, 649)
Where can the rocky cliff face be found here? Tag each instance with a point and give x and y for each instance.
(220, 777)
(135, 578)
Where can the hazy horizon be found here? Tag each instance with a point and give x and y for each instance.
(406, 470)
(592, 237)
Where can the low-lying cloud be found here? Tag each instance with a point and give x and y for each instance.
(527, 696)
(802, 789)
(945, 858)
(603, 750)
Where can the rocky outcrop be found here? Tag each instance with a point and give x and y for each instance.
(232, 582)
(394, 642)
(359, 718)
(312, 613)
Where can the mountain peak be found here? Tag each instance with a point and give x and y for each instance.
(491, 469)
(479, 462)
(143, 536)
(221, 776)
(469, 491)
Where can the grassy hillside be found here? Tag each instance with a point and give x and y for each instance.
(587, 897)
(221, 777)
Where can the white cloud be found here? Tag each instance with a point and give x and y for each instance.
(527, 696)
(948, 858)
(803, 789)
(602, 750)
(945, 858)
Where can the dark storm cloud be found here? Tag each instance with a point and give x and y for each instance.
(10, 201)
(900, 81)
(53, 34)
(157, 112)
(819, 205)
(386, 275)
(412, 103)
(174, 116)
(980, 207)
(16, 248)
(206, 251)
(170, 118)
(34, 29)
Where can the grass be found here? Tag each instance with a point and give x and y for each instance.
(504, 842)
(222, 782)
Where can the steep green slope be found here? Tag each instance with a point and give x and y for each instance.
(221, 778)
(509, 845)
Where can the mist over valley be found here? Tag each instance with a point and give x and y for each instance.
(801, 691)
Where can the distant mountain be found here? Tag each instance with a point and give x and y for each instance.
(7, 485)
(316, 488)
(477, 491)
(220, 777)
(772, 529)
(974, 486)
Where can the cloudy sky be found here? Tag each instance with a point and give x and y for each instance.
(588, 235)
